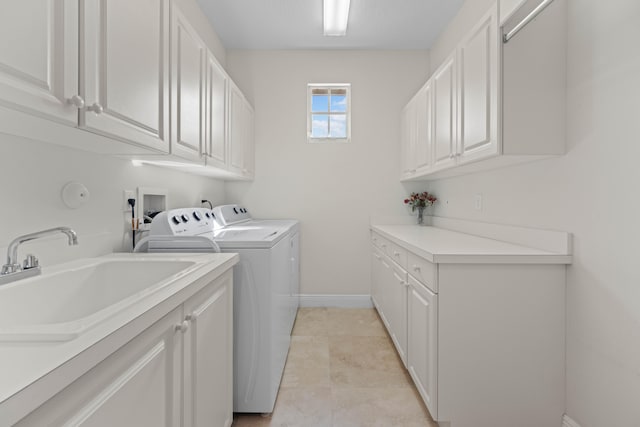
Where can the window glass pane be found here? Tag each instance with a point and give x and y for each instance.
(319, 126)
(319, 103)
(339, 103)
(338, 126)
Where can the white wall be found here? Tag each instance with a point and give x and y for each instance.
(331, 188)
(591, 192)
(33, 174)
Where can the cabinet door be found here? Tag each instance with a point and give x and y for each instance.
(478, 89)
(215, 111)
(138, 385)
(125, 77)
(424, 131)
(208, 353)
(236, 130)
(386, 273)
(39, 58)
(377, 273)
(250, 143)
(241, 134)
(397, 310)
(407, 140)
(444, 115)
(187, 81)
(422, 342)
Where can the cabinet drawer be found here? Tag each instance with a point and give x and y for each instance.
(398, 254)
(381, 243)
(423, 270)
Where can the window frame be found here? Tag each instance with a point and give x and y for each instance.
(347, 114)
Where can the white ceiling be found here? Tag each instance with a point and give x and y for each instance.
(297, 24)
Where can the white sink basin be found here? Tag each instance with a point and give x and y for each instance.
(61, 304)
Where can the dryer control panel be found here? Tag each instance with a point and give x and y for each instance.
(231, 214)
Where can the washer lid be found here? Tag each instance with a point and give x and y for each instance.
(252, 237)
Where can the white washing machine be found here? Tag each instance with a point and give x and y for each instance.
(266, 298)
(265, 282)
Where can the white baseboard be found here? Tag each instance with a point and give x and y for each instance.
(568, 422)
(339, 301)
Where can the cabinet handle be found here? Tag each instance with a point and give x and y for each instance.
(76, 101)
(400, 279)
(416, 268)
(96, 108)
(396, 253)
(182, 327)
(189, 317)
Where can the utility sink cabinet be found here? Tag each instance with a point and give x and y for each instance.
(176, 372)
(478, 323)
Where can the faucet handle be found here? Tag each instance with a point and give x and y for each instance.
(30, 262)
(10, 269)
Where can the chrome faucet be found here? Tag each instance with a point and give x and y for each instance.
(12, 270)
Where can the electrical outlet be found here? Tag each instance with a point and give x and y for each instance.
(477, 202)
(128, 194)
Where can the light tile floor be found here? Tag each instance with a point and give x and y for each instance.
(342, 371)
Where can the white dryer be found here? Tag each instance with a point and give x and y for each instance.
(266, 298)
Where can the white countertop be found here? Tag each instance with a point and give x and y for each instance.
(24, 367)
(439, 245)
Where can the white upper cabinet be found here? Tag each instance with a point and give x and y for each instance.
(424, 128)
(215, 140)
(187, 88)
(478, 94)
(496, 102)
(241, 134)
(417, 133)
(444, 114)
(125, 63)
(39, 58)
(406, 140)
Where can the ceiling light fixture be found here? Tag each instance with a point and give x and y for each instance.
(336, 17)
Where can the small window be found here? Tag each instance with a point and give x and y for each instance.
(329, 113)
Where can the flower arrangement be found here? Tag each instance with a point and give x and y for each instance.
(420, 200)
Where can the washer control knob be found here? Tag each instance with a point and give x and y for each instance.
(184, 218)
(207, 214)
(235, 210)
(197, 216)
(175, 219)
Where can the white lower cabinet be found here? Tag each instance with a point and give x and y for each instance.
(138, 385)
(208, 358)
(483, 342)
(390, 292)
(396, 284)
(178, 372)
(422, 342)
